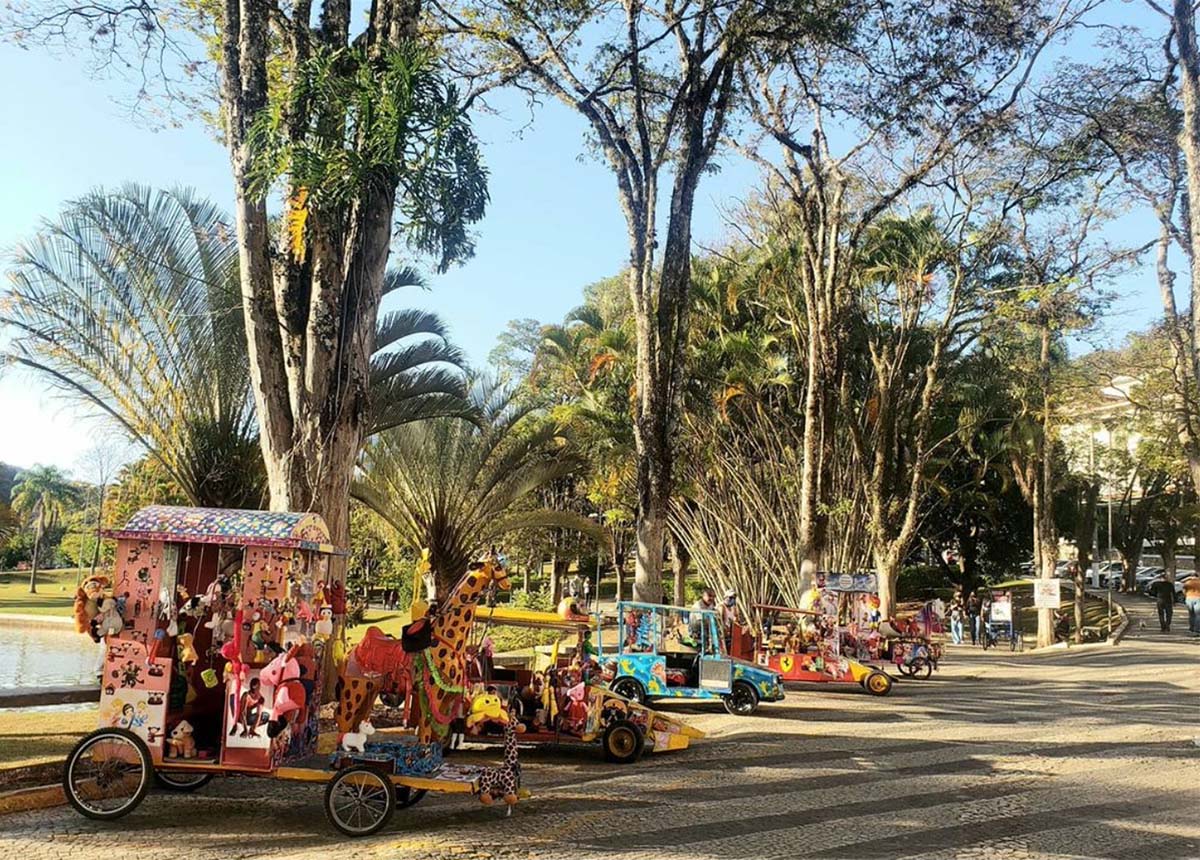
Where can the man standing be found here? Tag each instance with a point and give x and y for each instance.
(1163, 592)
(1191, 596)
(707, 601)
(587, 594)
(973, 616)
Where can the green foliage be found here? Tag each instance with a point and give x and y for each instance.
(919, 581)
(372, 119)
(513, 638)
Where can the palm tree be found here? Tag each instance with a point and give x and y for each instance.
(131, 303)
(456, 486)
(41, 493)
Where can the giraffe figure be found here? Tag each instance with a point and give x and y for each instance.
(439, 672)
(503, 782)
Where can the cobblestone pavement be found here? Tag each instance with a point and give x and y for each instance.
(1091, 754)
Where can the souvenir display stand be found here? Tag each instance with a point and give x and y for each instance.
(219, 627)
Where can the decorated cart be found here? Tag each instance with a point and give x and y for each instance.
(220, 628)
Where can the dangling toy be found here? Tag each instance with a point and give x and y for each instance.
(190, 604)
(324, 628)
(258, 636)
(108, 622)
(187, 651)
(504, 781)
(337, 598)
(87, 601)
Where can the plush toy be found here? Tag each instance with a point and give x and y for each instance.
(87, 601)
(575, 710)
(356, 741)
(337, 598)
(180, 743)
(485, 708)
(258, 636)
(324, 628)
(108, 621)
(503, 782)
(186, 650)
(284, 674)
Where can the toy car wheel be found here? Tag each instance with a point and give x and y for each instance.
(623, 742)
(878, 683)
(107, 774)
(406, 796)
(181, 780)
(631, 689)
(359, 801)
(742, 701)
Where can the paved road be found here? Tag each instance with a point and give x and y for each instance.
(1086, 755)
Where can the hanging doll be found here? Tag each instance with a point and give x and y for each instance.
(324, 628)
(87, 601)
(186, 650)
(108, 621)
(259, 636)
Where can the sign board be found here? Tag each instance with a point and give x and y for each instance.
(848, 582)
(1001, 608)
(1047, 593)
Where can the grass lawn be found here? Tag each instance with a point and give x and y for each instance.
(32, 736)
(55, 594)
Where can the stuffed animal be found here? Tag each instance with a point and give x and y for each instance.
(337, 598)
(356, 741)
(503, 782)
(485, 708)
(186, 650)
(108, 622)
(180, 743)
(324, 628)
(87, 601)
(284, 673)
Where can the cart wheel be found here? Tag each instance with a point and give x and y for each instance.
(107, 774)
(743, 701)
(922, 670)
(181, 780)
(631, 689)
(623, 742)
(878, 683)
(406, 796)
(359, 800)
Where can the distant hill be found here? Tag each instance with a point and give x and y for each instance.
(8, 475)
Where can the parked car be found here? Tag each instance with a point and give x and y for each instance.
(1178, 585)
(667, 652)
(1145, 575)
(1098, 574)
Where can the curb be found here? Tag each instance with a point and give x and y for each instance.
(27, 620)
(29, 799)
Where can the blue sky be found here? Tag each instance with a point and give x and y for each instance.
(553, 225)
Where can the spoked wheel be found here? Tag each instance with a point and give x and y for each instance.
(742, 701)
(922, 669)
(107, 774)
(878, 683)
(182, 780)
(359, 801)
(406, 796)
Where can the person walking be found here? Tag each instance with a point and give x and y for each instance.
(973, 616)
(587, 595)
(958, 613)
(1163, 592)
(1191, 597)
(985, 620)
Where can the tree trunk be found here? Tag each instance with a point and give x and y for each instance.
(682, 558)
(37, 549)
(887, 572)
(1189, 142)
(99, 525)
(1088, 528)
(1046, 542)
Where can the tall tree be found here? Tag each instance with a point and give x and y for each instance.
(41, 494)
(656, 84)
(850, 128)
(350, 129)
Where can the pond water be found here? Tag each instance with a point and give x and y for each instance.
(45, 656)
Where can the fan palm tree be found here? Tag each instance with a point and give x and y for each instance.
(131, 303)
(456, 486)
(42, 494)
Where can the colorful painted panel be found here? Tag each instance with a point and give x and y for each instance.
(137, 578)
(133, 693)
(215, 525)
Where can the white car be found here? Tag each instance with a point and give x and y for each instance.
(1098, 574)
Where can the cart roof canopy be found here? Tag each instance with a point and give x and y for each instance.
(503, 616)
(233, 527)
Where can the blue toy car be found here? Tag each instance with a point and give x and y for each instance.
(666, 652)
